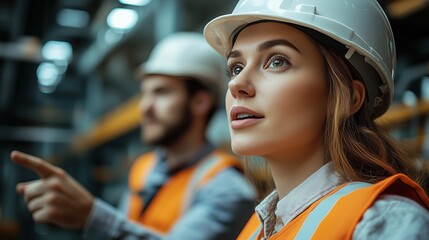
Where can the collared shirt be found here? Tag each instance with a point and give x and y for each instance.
(391, 217)
(219, 210)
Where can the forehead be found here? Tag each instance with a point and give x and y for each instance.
(161, 81)
(262, 31)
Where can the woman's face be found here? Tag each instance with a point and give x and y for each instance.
(277, 97)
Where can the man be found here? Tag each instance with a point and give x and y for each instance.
(185, 189)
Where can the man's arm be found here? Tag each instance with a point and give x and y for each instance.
(107, 222)
(56, 198)
(219, 211)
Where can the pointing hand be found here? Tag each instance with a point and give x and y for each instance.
(56, 197)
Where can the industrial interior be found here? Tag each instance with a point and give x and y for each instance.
(69, 89)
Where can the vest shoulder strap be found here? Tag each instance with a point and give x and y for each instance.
(323, 208)
(206, 170)
(223, 161)
(140, 169)
(136, 181)
(252, 230)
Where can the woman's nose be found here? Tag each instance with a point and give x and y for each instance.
(241, 85)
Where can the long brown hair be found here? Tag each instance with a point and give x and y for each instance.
(359, 149)
(259, 174)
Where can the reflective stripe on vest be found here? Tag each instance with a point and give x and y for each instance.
(319, 213)
(177, 194)
(256, 234)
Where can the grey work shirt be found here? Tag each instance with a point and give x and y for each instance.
(219, 210)
(390, 217)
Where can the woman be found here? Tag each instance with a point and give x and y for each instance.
(308, 78)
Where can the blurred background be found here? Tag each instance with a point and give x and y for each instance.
(69, 93)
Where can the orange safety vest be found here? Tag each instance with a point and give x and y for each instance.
(175, 196)
(336, 215)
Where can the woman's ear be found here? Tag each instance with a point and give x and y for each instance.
(359, 95)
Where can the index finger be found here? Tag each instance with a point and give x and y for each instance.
(39, 166)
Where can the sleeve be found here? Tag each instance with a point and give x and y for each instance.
(106, 222)
(394, 217)
(219, 210)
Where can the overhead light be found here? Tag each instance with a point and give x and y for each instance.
(48, 77)
(409, 98)
(139, 3)
(73, 18)
(111, 37)
(57, 51)
(425, 88)
(47, 74)
(122, 19)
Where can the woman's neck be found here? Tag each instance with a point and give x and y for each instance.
(290, 170)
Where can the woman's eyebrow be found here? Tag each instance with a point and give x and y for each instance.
(234, 54)
(272, 43)
(266, 45)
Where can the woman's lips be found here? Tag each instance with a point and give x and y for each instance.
(242, 117)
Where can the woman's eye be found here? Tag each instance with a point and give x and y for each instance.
(236, 70)
(233, 70)
(278, 62)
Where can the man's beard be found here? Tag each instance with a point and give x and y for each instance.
(172, 132)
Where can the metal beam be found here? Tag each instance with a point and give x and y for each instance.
(8, 75)
(36, 134)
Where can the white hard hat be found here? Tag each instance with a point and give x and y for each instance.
(360, 26)
(186, 54)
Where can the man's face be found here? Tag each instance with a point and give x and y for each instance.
(165, 109)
